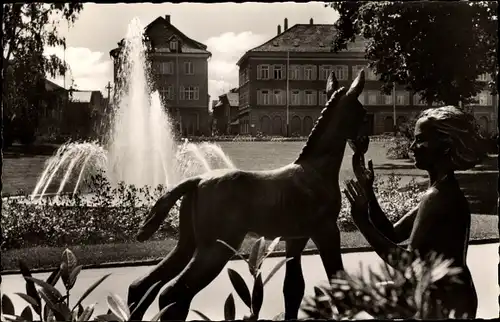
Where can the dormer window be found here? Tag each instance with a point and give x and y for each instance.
(174, 45)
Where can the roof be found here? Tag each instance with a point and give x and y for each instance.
(81, 96)
(198, 46)
(233, 99)
(50, 85)
(307, 38)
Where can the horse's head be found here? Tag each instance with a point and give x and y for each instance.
(347, 112)
(340, 120)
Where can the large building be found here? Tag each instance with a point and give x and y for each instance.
(297, 61)
(180, 70)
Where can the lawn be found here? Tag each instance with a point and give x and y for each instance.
(22, 169)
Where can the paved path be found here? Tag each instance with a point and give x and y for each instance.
(482, 260)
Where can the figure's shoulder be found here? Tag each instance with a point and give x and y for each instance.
(432, 199)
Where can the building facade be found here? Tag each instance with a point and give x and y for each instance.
(282, 85)
(225, 113)
(180, 74)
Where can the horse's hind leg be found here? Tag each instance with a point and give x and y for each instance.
(207, 263)
(168, 268)
(293, 286)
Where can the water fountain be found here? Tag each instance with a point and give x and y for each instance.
(140, 148)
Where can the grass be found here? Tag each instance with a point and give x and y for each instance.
(21, 169)
(482, 227)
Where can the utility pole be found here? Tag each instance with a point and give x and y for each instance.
(108, 87)
(394, 105)
(287, 94)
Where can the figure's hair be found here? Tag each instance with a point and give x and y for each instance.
(458, 131)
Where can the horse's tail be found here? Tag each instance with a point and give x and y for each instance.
(161, 208)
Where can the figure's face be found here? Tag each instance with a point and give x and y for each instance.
(425, 147)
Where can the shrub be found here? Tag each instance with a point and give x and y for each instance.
(109, 215)
(394, 199)
(400, 293)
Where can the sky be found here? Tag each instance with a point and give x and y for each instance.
(228, 29)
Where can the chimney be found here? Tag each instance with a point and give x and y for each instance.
(167, 18)
(311, 21)
(279, 30)
(286, 25)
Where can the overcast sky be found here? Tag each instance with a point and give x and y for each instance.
(228, 29)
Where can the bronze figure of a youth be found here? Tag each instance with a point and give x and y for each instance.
(445, 141)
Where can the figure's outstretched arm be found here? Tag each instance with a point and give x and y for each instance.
(389, 251)
(402, 229)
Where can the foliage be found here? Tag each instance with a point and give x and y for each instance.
(396, 200)
(28, 29)
(109, 215)
(253, 301)
(55, 305)
(434, 48)
(113, 215)
(401, 293)
(398, 147)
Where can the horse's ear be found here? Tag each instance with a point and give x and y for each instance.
(331, 85)
(357, 85)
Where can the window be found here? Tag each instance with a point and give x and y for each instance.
(370, 75)
(278, 72)
(417, 100)
(173, 45)
(310, 98)
(484, 99)
(167, 93)
(164, 67)
(264, 97)
(324, 71)
(308, 72)
(402, 98)
(294, 72)
(322, 98)
(263, 72)
(295, 97)
(188, 68)
(356, 69)
(388, 99)
(484, 77)
(372, 97)
(341, 72)
(279, 98)
(190, 93)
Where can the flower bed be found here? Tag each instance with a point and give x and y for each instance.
(114, 214)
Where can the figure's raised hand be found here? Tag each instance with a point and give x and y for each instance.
(357, 198)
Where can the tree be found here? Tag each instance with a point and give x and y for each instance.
(28, 29)
(434, 48)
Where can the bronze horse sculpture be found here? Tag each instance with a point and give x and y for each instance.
(297, 202)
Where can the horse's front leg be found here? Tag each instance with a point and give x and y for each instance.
(293, 286)
(327, 240)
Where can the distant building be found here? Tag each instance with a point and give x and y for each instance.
(81, 118)
(180, 69)
(288, 73)
(225, 113)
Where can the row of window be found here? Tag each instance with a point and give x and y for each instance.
(310, 72)
(168, 68)
(369, 97)
(188, 93)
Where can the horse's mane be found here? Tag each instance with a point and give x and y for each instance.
(318, 128)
